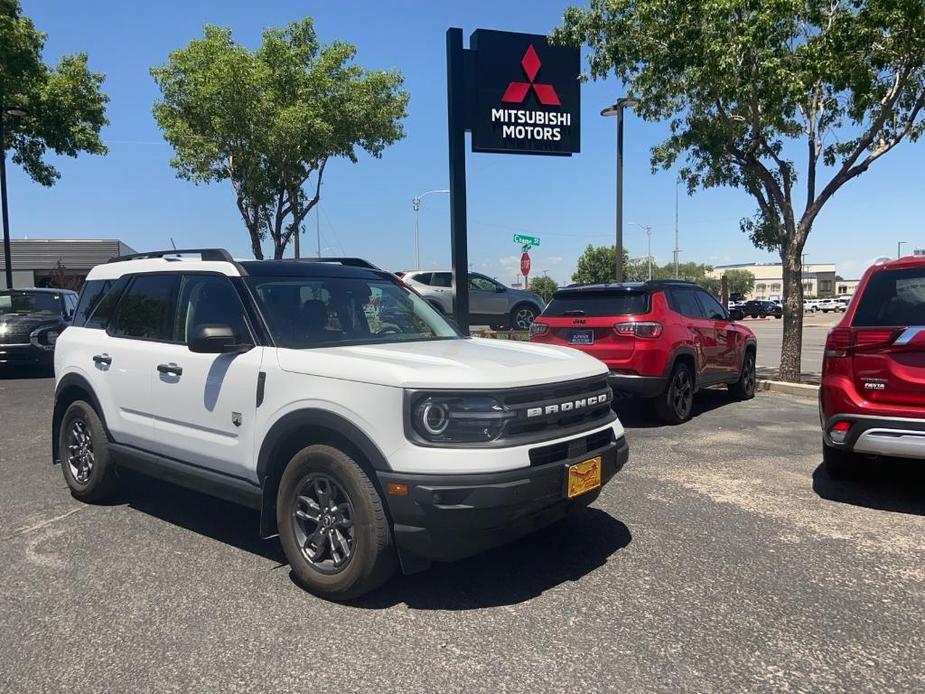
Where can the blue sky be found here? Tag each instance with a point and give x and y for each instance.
(132, 193)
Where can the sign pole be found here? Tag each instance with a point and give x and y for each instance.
(456, 84)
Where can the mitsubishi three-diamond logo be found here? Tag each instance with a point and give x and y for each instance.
(516, 92)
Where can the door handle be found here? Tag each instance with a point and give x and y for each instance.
(170, 368)
(102, 359)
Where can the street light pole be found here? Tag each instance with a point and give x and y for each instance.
(416, 206)
(4, 211)
(617, 110)
(899, 248)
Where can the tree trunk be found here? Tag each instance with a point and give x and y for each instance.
(255, 243)
(792, 343)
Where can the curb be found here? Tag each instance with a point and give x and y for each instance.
(799, 389)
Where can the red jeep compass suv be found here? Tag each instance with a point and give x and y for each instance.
(872, 399)
(662, 340)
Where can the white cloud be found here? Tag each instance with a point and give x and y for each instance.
(554, 259)
(509, 260)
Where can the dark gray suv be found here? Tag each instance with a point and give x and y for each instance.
(490, 302)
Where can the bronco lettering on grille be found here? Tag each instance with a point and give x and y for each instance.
(568, 406)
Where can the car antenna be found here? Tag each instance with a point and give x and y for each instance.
(172, 243)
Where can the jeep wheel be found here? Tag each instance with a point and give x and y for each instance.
(84, 450)
(840, 464)
(522, 317)
(332, 525)
(675, 404)
(744, 388)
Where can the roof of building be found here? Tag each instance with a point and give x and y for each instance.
(72, 254)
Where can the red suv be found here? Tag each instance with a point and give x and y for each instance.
(872, 399)
(662, 340)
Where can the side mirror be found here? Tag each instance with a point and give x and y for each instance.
(216, 338)
(500, 289)
(736, 314)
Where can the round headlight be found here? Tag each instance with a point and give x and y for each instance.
(435, 417)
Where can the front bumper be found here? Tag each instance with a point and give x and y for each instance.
(902, 437)
(26, 354)
(448, 517)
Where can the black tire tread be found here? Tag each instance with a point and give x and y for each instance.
(103, 482)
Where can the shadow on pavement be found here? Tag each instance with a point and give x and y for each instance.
(563, 552)
(639, 414)
(890, 484)
(206, 515)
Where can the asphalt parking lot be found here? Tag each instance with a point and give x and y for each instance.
(769, 332)
(721, 559)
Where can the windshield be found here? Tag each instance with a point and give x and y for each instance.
(29, 303)
(307, 312)
(893, 298)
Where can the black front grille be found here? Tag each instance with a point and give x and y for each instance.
(14, 336)
(523, 400)
(557, 452)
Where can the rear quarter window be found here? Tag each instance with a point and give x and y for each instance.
(893, 298)
(597, 304)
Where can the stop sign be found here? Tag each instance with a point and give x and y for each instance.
(525, 264)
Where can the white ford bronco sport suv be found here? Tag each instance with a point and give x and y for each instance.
(327, 395)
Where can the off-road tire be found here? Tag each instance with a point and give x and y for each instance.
(372, 560)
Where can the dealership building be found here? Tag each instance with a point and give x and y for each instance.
(818, 279)
(62, 263)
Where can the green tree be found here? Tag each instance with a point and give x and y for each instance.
(269, 120)
(740, 281)
(544, 286)
(64, 106)
(598, 265)
(745, 84)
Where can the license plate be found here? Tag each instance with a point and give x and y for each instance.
(584, 476)
(581, 337)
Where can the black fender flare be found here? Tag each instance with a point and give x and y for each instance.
(72, 384)
(327, 426)
(683, 351)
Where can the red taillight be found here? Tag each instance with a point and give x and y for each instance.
(839, 431)
(841, 342)
(643, 329)
(538, 329)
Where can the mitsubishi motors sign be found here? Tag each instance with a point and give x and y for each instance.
(527, 94)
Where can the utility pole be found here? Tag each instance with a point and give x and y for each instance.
(4, 210)
(677, 251)
(899, 248)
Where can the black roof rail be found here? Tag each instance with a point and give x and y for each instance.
(211, 254)
(352, 262)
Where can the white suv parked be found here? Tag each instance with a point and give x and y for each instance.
(334, 400)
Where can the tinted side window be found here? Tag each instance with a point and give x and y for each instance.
(208, 299)
(442, 279)
(98, 313)
(893, 298)
(422, 277)
(146, 309)
(711, 307)
(90, 296)
(481, 283)
(684, 302)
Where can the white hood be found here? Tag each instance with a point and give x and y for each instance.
(472, 363)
